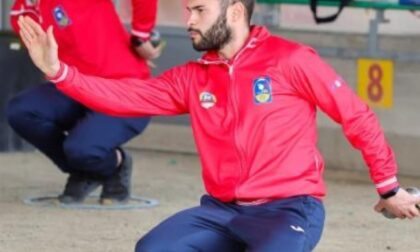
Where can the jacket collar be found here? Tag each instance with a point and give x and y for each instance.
(258, 34)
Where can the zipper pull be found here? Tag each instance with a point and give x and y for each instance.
(230, 69)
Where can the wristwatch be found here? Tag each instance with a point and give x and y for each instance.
(136, 41)
(155, 39)
(390, 193)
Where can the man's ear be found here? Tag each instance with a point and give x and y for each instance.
(236, 11)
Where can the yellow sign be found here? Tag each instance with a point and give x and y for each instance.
(376, 81)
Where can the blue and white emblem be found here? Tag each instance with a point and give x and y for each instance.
(207, 100)
(61, 17)
(262, 90)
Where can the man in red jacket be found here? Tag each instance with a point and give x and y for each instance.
(252, 99)
(83, 143)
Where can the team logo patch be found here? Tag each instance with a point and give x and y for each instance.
(207, 100)
(61, 17)
(262, 90)
(338, 83)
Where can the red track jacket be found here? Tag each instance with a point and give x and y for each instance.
(253, 117)
(90, 34)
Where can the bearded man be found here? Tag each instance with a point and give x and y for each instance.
(252, 99)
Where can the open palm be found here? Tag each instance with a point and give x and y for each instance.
(41, 45)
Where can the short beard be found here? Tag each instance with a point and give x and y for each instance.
(216, 37)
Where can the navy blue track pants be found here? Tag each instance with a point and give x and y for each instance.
(76, 139)
(287, 225)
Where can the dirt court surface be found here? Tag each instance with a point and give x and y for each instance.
(175, 181)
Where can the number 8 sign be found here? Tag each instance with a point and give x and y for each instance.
(375, 82)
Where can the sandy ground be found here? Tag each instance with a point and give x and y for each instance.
(175, 181)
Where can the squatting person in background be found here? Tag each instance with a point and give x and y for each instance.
(83, 143)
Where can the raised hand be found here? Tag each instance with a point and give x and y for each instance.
(148, 52)
(41, 45)
(402, 205)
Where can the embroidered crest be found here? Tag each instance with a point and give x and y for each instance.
(61, 17)
(207, 100)
(338, 83)
(262, 90)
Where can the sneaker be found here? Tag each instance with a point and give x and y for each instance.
(117, 187)
(77, 188)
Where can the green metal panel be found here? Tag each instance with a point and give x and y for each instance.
(355, 4)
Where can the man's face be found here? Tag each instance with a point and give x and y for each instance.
(207, 25)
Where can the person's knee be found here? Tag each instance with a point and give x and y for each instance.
(156, 246)
(17, 113)
(87, 157)
(140, 247)
(152, 243)
(147, 246)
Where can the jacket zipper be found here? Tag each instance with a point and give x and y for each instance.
(239, 149)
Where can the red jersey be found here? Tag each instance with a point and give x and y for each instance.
(90, 34)
(253, 117)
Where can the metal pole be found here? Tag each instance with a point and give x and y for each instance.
(2, 14)
(373, 37)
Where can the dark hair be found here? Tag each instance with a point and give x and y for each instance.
(248, 4)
